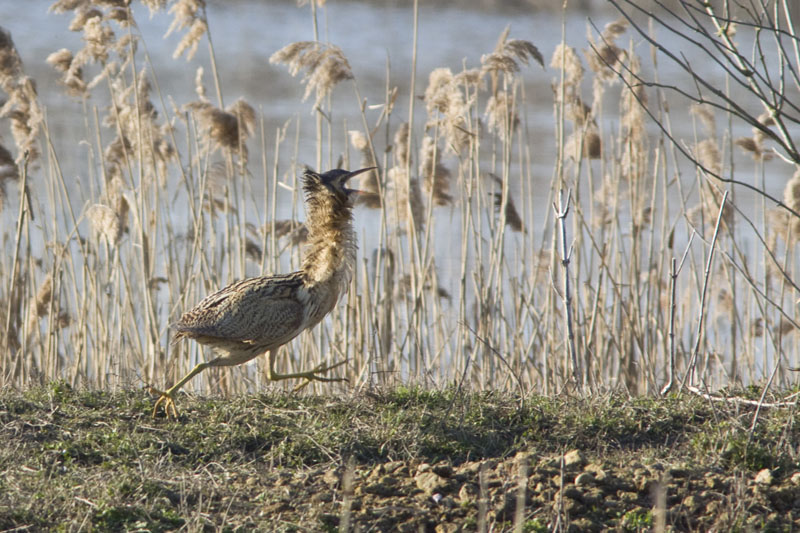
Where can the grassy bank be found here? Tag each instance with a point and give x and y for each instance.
(404, 459)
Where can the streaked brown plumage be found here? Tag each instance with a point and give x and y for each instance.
(258, 315)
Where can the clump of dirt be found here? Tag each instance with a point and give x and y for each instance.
(405, 459)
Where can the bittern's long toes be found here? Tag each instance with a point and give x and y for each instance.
(165, 399)
(311, 375)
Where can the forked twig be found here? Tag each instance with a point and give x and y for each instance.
(561, 211)
(673, 279)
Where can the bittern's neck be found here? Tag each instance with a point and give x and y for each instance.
(332, 248)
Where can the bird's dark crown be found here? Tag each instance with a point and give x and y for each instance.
(334, 181)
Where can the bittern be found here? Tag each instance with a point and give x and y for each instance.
(258, 315)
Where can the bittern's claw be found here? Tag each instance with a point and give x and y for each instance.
(311, 375)
(170, 410)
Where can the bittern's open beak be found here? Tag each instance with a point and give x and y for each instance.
(347, 178)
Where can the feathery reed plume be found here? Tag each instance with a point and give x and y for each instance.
(155, 5)
(584, 143)
(766, 120)
(706, 116)
(403, 190)
(435, 175)
(578, 111)
(83, 15)
(633, 102)
(404, 286)
(11, 312)
(199, 86)
(567, 57)
(325, 66)
(72, 78)
(501, 115)
(115, 154)
(400, 145)
(604, 57)
(228, 129)
(712, 199)
(62, 6)
(119, 15)
(471, 78)
(592, 144)
(512, 216)
(217, 179)
(60, 60)
(755, 145)
(8, 172)
(437, 94)
(40, 304)
(135, 116)
(791, 197)
(188, 14)
(405, 197)
(447, 108)
(748, 144)
(22, 107)
(105, 223)
(574, 109)
(782, 224)
(725, 306)
(783, 327)
(98, 38)
(252, 250)
(297, 232)
(585, 139)
(506, 56)
(114, 197)
(707, 154)
(245, 117)
(643, 217)
(757, 327)
(605, 201)
(368, 181)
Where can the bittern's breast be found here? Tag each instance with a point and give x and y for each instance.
(322, 299)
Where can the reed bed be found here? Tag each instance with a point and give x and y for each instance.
(643, 263)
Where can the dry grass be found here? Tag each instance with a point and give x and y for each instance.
(457, 281)
(409, 459)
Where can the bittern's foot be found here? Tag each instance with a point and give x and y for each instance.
(167, 401)
(311, 375)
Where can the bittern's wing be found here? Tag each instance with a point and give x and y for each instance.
(256, 310)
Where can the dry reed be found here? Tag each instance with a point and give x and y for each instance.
(325, 66)
(187, 14)
(173, 208)
(436, 177)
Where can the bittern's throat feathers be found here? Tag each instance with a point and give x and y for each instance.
(331, 252)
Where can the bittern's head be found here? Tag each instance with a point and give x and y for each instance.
(331, 185)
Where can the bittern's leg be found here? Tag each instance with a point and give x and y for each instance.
(166, 397)
(309, 376)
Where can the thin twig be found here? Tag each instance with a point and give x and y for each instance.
(706, 276)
